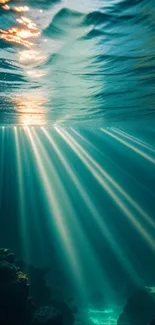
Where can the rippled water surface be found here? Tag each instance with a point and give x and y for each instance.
(66, 62)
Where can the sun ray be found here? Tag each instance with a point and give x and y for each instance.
(56, 210)
(101, 152)
(22, 207)
(135, 140)
(131, 146)
(96, 268)
(30, 197)
(94, 212)
(91, 165)
(126, 196)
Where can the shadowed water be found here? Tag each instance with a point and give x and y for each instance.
(73, 62)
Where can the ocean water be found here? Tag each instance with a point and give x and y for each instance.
(70, 62)
(77, 147)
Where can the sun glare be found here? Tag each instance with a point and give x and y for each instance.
(19, 35)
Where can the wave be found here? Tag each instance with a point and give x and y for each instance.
(64, 20)
(11, 65)
(12, 77)
(87, 61)
(93, 33)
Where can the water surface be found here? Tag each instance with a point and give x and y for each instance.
(68, 62)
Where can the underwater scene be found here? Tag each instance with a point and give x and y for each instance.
(77, 162)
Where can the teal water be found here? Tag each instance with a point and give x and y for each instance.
(81, 200)
(69, 62)
(77, 147)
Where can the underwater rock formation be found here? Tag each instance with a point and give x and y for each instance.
(43, 295)
(37, 278)
(139, 309)
(47, 315)
(67, 313)
(6, 255)
(16, 307)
